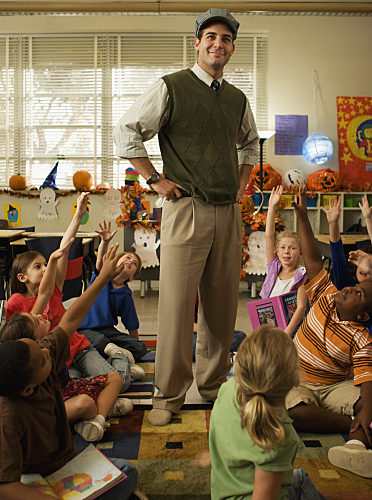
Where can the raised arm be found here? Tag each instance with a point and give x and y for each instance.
(81, 208)
(106, 236)
(367, 214)
(363, 261)
(333, 217)
(74, 316)
(47, 283)
(274, 200)
(309, 246)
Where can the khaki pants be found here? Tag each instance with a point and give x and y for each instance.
(200, 247)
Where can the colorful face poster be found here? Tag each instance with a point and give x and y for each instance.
(12, 213)
(354, 128)
(85, 219)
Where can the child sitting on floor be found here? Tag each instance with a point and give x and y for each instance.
(283, 271)
(84, 399)
(251, 439)
(332, 340)
(27, 273)
(34, 429)
(114, 300)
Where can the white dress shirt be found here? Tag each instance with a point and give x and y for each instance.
(150, 112)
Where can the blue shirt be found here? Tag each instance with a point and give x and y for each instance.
(111, 303)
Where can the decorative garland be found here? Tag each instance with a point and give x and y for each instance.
(36, 193)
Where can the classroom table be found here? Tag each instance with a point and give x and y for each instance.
(348, 240)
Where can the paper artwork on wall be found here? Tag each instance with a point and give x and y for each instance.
(112, 208)
(85, 219)
(12, 213)
(354, 129)
(145, 245)
(48, 203)
(256, 264)
(290, 134)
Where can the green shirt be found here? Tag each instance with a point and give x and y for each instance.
(234, 456)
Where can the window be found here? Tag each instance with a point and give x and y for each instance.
(61, 96)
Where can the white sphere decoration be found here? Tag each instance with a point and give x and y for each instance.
(293, 178)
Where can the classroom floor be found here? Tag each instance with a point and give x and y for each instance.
(147, 311)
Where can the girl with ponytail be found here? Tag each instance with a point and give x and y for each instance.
(252, 441)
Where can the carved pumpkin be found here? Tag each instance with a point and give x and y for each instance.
(270, 177)
(246, 205)
(18, 182)
(325, 180)
(82, 180)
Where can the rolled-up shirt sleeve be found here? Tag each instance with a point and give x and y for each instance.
(142, 122)
(248, 139)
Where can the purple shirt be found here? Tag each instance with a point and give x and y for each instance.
(273, 270)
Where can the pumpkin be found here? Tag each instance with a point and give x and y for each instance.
(270, 177)
(246, 205)
(17, 182)
(325, 180)
(82, 180)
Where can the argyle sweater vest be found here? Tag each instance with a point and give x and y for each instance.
(198, 143)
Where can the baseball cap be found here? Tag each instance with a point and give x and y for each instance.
(221, 15)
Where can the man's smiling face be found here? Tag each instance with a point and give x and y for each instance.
(215, 48)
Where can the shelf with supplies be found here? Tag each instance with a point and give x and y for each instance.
(350, 211)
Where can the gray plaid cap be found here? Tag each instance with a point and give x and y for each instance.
(221, 15)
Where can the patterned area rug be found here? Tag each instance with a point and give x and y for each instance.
(144, 388)
(163, 456)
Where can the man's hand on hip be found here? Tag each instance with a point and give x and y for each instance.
(167, 188)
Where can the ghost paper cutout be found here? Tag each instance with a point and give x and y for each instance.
(145, 245)
(112, 208)
(256, 264)
(48, 203)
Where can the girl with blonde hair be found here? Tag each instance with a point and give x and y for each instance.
(252, 441)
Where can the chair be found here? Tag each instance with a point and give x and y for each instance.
(75, 281)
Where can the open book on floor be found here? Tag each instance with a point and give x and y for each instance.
(275, 311)
(84, 477)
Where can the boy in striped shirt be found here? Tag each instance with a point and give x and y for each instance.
(335, 349)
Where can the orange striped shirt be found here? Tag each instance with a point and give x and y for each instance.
(328, 348)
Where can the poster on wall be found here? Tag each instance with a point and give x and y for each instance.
(290, 134)
(85, 219)
(12, 213)
(354, 130)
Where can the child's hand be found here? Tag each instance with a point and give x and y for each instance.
(202, 459)
(110, 268)
(300, 208)
(334, 210)
(82, 204)
(365, 208)
(62, 250)
(362, 260)
(363, 419)
(105, 231)
(276, 193)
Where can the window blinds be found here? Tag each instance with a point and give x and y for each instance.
(61, 96)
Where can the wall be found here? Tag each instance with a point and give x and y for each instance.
(338, 48)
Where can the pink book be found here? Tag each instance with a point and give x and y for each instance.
(275, 311)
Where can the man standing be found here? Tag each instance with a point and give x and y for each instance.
(209, 144)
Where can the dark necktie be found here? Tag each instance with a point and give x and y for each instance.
(215, 85)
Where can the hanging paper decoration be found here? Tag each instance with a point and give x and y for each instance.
(145, 244)
(354, 128)
(317, 148)
(12, 213)
(112, 208)
(256, 263)
(48, 203)
(131, 176)
(50, 181)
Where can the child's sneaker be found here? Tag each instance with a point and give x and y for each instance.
(352, 457)
(136, 372)
(92, 430)
(121, 407)
(111, 349)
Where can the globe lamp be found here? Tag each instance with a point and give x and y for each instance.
(317, 148)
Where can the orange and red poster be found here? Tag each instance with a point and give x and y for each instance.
(354, 129)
